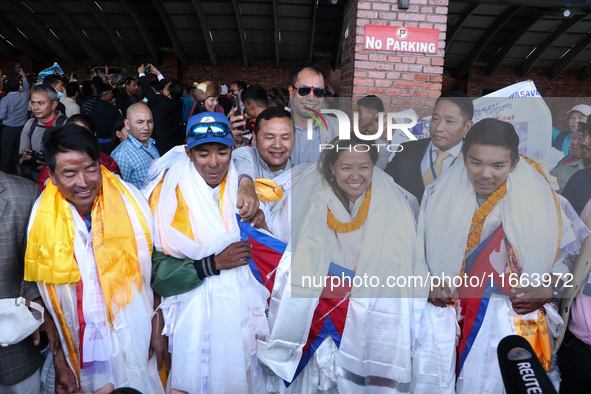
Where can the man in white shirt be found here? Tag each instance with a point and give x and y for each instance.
(421, 162)
(69, 99)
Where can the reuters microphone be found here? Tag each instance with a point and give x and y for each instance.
(521, 370)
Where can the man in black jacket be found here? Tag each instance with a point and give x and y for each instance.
(423, 161)
(167, 109)
(104, 114)
(128, 96)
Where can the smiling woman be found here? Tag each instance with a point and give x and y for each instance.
(348, 171)
(350, 221)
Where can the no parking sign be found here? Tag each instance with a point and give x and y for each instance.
(401, 39)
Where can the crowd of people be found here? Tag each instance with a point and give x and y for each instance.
(208, 239)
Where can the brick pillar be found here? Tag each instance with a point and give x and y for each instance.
(402, 80)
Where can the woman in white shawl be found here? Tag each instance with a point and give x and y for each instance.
(349, 220)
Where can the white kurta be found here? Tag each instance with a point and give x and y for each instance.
(531, 223)
(212, 329)
(376, 340)
(129, 334)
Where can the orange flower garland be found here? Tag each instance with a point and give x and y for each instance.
(482, 213)
(356, 223)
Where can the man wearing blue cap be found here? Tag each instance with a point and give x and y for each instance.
(213, 308)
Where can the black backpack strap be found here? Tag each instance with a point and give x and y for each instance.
(31, 130)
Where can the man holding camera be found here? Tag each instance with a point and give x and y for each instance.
(43, 105)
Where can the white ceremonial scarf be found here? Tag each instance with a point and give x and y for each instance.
(377, 337)
(531, 221)
(128, 337)
(528, 212)
(212, 329)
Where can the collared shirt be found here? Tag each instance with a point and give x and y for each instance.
(72, 107)
(14, 107)
(134, 159)
(432, 149)
(248, 161)
(305, 150)
(564, 172)
(308, 151)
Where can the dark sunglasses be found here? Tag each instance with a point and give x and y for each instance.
(200, 130)
(305, 90)
(583, 127)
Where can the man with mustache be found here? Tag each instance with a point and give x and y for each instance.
(571, 163)
(578, 189)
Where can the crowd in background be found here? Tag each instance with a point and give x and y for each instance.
(195, 156)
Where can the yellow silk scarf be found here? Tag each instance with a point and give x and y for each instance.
(50, 250)
(267, 190)
(537, 334)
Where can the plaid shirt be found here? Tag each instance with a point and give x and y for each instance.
(17, 195)
(134, 159)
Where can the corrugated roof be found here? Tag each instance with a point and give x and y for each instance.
(485, 15)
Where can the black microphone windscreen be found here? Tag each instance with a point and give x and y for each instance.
(521, 370)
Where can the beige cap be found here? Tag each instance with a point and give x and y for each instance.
(582, 108)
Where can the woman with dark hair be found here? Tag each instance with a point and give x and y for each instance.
(119, 133)
(352, 228)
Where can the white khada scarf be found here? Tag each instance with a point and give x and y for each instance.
(376, 341)
(542, 228)
(212, 329)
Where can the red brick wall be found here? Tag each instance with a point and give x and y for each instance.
(567, 84)
(402, 80)
(260, 71)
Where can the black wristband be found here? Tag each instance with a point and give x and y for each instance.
(205, 267)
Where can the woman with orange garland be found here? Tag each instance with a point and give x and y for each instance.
(341, 322)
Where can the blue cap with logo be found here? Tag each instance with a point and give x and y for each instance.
(209, 127)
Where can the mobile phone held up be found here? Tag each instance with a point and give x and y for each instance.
(236, 104)
(17, 67)
(147, 68)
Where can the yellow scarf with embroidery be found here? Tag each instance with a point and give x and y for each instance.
(50, 249)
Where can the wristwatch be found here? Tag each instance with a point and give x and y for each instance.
(556, 291)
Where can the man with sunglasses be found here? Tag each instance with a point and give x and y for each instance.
(213, 306)
(307, 95)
